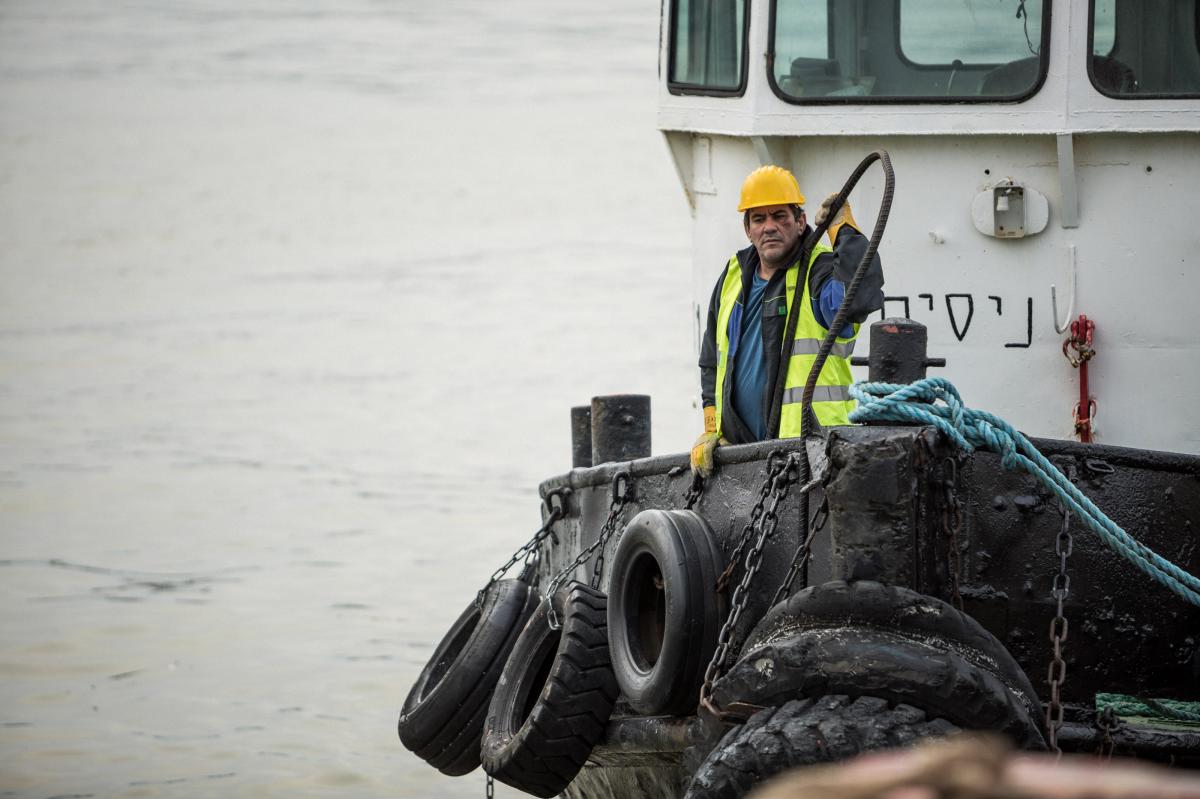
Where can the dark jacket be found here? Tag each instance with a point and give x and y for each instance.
(848, 252)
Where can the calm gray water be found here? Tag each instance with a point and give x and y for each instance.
(293, 305)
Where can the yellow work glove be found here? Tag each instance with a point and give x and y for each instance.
(706, 444)
(844, 217)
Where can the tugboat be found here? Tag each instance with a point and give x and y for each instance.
(930, 569)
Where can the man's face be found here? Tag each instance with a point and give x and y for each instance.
(773, 231)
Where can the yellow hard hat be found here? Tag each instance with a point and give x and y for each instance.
(770, 185)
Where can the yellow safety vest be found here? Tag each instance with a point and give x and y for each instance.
(831, 399)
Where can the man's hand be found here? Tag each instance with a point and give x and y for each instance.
(706, 444)
(844, 217)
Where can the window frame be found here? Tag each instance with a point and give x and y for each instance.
(1091, 72)
(697, 89)
(957, 99)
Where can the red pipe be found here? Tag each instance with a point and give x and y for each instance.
(1083, 419)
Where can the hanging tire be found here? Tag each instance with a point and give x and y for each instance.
(554, 697)
(802, 732)
(442, 718)
(664, 612)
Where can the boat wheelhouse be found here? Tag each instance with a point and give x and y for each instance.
(1046, 160)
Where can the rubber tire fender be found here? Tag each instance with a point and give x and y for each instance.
(866, 603)
(554, 698)
(936, 675)
(802, 732)
(664, 613)
(442, 717)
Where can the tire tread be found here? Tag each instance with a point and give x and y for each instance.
(803, 732)
(571, 714)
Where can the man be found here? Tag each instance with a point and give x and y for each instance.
(748, 394)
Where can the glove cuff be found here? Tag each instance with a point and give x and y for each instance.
(710, 419)
(845, 218)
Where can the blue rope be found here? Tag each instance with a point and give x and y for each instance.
(935, 401)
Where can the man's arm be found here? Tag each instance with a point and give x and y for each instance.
(832, 272)
(708, 351)
(702, 455)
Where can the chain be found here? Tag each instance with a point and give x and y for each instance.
(489, 788)
(695, 491)
(1106, 722)
(530, 549)
(1057, 671)
(952, 524)
(800, 558)
(622, 491)
(776, 462)
(779, 482)
(622, 494)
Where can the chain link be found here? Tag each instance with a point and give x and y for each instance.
(780, 478)
(1056, 673)
(952, 525)
(489, 790)
(776, 461)
(622, 494)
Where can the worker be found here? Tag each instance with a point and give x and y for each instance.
(748, 394)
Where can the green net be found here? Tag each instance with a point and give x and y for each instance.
(1173, 711)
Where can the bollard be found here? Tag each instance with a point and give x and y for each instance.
(898, 347)
(620, 427)
(581, 436)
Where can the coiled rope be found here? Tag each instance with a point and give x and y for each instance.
(935, 401)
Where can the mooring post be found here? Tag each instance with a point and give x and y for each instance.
(898, 351)
(620, 427)
(581, 436)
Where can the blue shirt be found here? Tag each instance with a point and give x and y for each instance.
(749, 364)
(827, 304)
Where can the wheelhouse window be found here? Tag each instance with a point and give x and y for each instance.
(708, 47)
(829, 51)
(1144, 50)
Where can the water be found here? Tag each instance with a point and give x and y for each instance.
(293, 305)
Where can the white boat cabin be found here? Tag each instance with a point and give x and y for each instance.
(1035, 144)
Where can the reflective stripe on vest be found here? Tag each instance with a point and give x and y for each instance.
(831, 395)
(811, 346)
(820, 394)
